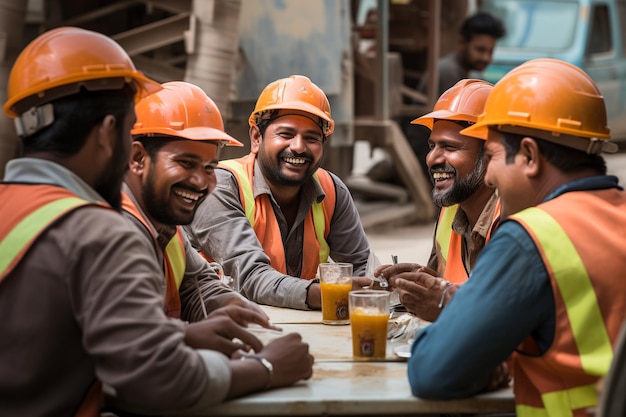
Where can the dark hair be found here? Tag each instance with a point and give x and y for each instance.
(74, 118)
(265, 118)
(482, 23)
(152, 144)
(564, 158)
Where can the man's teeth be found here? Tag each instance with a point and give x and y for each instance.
(297, 161)
(188, 196)
(437, 176)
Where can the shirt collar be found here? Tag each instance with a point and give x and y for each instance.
(600, 182)
(42, 171)
(460, 223)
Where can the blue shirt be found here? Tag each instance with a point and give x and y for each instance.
(507, 298)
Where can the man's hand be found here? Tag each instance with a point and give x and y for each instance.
(314, 296)
(220, 329)
(500, 378)
(420, 290)
(245, 312)
(358, 283)
(291, 360)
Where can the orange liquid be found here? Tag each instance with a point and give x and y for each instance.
(335, 303)
(369, 333)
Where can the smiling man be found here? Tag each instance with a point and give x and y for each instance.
(275, 215)
(548, 287)
(469, 208)
(176, 139)
(80, 302)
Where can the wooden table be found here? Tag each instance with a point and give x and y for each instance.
(343, 386)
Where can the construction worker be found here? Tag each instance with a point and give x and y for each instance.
(80, 294)
(176, 139)
(275, 215)
(548, 284)
(469, 208)
(477, 40)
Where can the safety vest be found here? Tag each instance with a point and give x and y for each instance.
(449, 245)
(580, 236)
(26, 212)
(260, 214)
(174, 259)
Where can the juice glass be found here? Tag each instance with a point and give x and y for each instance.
(369, 314)
(335, 285)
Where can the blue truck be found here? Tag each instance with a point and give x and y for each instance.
(587, 33)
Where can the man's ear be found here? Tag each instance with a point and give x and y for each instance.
(255, 139)
(106, 134)
(529, 150)
(138, 158)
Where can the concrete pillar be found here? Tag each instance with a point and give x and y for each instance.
(12, 18)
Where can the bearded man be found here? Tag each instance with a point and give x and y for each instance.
(469, 208)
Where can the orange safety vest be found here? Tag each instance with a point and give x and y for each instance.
(450, 263)
(580, 238)
(174, 258)
(260, 214)
(27, 211)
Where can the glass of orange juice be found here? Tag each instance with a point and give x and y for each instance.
(369, 314)
(335, 284)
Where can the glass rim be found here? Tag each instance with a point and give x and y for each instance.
(364, 292)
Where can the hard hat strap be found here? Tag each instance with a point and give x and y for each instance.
(34, 119)
(591, 146)
(46, 96)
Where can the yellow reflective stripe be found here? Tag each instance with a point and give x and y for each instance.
(561, 403)
(576, 289)
(320, 225)
(175, 252)
(444, 229)
(245, 186)
(19, 237)
(529, 411)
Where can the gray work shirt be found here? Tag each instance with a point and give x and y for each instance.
(84, 303)
(450, 72)
(221, 230)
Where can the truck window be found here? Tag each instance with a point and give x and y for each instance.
(530, 24)
(600, 37)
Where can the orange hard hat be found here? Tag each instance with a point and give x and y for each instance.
(183, 110)
(464, 101)
(70, 57)
(551, 100)
(295, 93)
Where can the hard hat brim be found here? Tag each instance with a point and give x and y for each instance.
(429, 118)
(477, 131)
(299, 106)
(192, 133)
(144, 85)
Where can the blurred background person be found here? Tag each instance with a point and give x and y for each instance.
(477, 39)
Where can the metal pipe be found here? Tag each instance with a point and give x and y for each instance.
(12, 18)
(434, 41)
(213, 47)
(382, 64)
